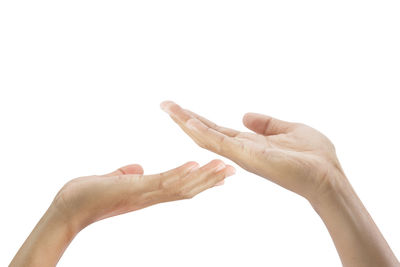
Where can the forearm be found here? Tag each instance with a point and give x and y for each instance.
(47, 242)
(355, 235)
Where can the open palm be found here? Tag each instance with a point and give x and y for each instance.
(85, 200)
(292, 155)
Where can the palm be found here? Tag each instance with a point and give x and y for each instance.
(100, 195)
(292, 155)
(127, 189)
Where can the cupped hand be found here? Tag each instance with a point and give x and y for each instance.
(85, 200)
(293, 155)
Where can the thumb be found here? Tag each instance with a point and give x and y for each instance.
(266, 125)
(128, 169)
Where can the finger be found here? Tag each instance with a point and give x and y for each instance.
(167, 178)
(176, 111)
(205, 136)
(209, 176)
(182, 170)
(182, 182)
(199, 174)
(180, 117)
(129, 169)
(223, 130)
(220, 183)
(266, 125)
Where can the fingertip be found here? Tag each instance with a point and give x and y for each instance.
(132, 169)
(249, 114)
(258, 123)
(189, 163)
(247, 117)
(226, 171)
(216, 163)
(191, 166)
(229, 170)
(165, 105)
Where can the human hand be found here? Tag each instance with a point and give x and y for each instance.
(293, 155)
(85, 200)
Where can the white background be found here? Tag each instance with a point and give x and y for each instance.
(81, 82)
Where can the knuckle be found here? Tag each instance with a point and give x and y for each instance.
(210, 147)
(202, 145)
(218, 148)
(181, 194)
(163, 182)
(184, 194)
(170, 189)
(189, 195)
(119, 178)
(163, 185)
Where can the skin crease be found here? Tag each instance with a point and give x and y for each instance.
(85, 200)
(293, 155)
(303, 160)
(102, 198)
(279, 151)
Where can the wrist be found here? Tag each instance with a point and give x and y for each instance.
(62, 224)
(337, 192)
(47, 242)
(67, 223)
(354, 233)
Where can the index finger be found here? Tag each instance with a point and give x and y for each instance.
(204, 135)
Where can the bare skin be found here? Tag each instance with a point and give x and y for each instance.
(292, 155)
(85, 200)
(301, 159)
